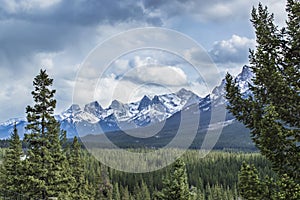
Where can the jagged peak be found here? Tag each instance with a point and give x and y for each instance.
(115, 104)
(74, 108)
(185, 94)
(246, 74)
(155, 100)
(93, 108)
(145, 101)
(145, 98)
(184, 91)
(93, 104)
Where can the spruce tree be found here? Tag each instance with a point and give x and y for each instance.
(12, 181)
(142, 192)
(105, 186)
(249, 183)
(145, 194)
(116, 192)
(176, 185)
(272, 112)
(125, 193)
(80, 186)
(46, 173)
(287, 189)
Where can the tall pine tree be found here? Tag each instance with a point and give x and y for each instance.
(272, 113)
(46, 163)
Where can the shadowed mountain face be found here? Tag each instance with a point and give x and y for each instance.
(153, 121)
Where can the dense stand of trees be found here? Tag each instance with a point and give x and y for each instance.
(212, 177)
(46, 170)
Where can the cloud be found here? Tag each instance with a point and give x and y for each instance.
(58, 34)
(78, 13)
(13, 6)
(125, 90)
(131, 77)
(55, 35)
(161, 75)
(234, 50)
(150, 66)
(27, 27)
(208, 11)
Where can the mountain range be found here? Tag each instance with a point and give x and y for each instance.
(161, 112)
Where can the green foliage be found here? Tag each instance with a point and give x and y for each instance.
(249, 183)
(11, 170)
(80, 189)
(116, 192)
(46, 164)
(217, 171)
(272, 113)
(252, 187)
(142, 192)
(176, 186)
(287, 189)
(219, 192)
(72, 173)
(211, 177)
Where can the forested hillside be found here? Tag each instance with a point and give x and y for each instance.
(212, 177)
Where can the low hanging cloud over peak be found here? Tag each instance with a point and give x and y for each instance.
(148, 70)
(157, 74)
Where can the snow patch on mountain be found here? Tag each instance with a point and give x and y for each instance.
(146, 112)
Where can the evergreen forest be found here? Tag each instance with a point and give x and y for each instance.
(46, 164)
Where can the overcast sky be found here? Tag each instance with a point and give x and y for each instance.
(58, 35)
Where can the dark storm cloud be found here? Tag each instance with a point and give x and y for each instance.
(203, 10)
(86, 12)
(28, 30)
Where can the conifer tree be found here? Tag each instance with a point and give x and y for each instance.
(116, 192)
(272, 113)
(145, 192)
(12, 182)
(104, 186)
(80, 187)
(46, 173)
(286, 188)
(142, 192)
(249, 183)
(176, 185)
(125, 193)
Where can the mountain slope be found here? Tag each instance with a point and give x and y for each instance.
(145, 115)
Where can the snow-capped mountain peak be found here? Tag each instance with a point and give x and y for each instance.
(74, 108)
(245, 75)
(94, 108)
(147, 111)
(144, 103)
(12, 121)
(116, 105)
(156, 100)
(244, 79)
(184, 93)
